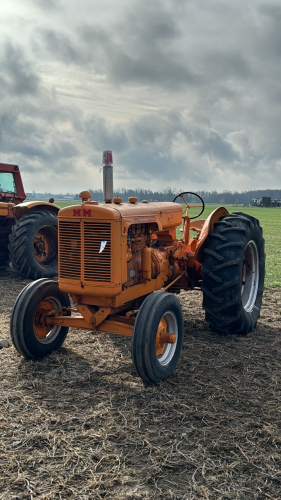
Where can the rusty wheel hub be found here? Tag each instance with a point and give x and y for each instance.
(44, 245)
(163, 337)
(40, 328)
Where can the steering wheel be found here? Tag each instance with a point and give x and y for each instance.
(8, 199)
(188, 206)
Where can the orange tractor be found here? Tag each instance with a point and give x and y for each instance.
(28, 230)
(122, 265)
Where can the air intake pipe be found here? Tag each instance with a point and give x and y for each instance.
(107, 164)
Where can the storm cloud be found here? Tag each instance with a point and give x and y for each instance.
(186, 94)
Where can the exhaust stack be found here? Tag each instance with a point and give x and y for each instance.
(107, 164)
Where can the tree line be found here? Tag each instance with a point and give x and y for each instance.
(168, 194)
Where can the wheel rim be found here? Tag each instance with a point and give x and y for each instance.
(250, 276)
(45, 245)
(43, 333)
(165, 352)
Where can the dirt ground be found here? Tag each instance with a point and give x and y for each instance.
(81, 424)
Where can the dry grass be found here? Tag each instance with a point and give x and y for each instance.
(80, 424)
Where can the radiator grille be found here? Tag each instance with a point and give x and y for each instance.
(97, 265)
(70, 250)
(88, 242)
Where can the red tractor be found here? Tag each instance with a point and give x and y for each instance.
(28, 230)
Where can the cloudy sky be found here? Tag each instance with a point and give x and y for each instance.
(186, 93)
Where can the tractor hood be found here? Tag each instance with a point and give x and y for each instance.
(164, 214)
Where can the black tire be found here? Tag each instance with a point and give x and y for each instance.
(234, 270)
(3, 264)
(33, 245)
(156, 307)
(4, 255)
(24, 324)
(4, 251)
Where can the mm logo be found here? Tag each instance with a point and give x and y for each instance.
(170, 216)
(86, 213)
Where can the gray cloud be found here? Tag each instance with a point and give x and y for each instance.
(139, 50)
(47, 5)
(271, 35)
(60, 47)
(17, 76)
(216, 146)
(22, 135)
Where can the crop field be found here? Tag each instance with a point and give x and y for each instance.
(81, 425)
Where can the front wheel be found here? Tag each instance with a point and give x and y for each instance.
(30, 334)
(157, 336)
(234, 270)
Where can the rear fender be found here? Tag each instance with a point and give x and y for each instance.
(208, 227)
(22, 208)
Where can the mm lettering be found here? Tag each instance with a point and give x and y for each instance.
(87, 213)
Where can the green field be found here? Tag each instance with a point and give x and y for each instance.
(63, 204)
(270, 220)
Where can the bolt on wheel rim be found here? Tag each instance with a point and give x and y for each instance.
(250, 276)
(166, 354)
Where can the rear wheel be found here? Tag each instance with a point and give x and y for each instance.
(157, 336)
(33, 244)
(29, 332)
(234, 270)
